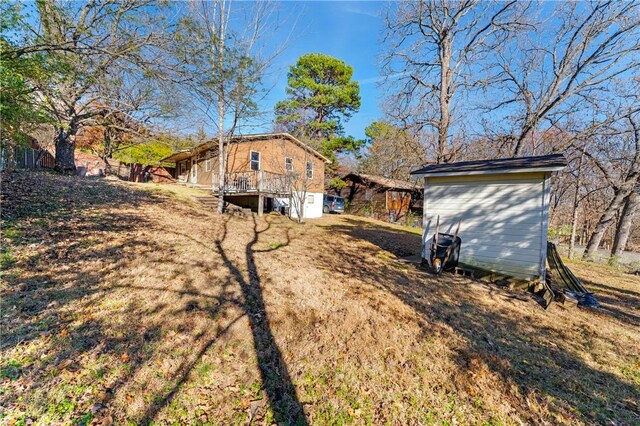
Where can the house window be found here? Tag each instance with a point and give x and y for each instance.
(183, 167)
(310, 199)
(288, 164)
(207, 165)
(394, 196)
(255, 160)
(309, 170)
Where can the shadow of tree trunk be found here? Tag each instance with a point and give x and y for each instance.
(275, 378)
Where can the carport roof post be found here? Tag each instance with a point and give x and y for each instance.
(543, 163)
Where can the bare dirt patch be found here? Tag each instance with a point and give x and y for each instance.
(124, 304)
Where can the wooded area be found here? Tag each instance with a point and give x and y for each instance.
(568, 84)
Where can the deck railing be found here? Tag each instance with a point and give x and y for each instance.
(253, 181)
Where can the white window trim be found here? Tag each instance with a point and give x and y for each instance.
(259, 160)
(310, 199)
(285, 164)
(183, 167)
(307, 170)
(207, 165)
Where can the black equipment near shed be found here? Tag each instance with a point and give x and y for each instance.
(445, 250)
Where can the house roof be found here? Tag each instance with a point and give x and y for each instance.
(186, 153)
(382, 181)
(542, 163)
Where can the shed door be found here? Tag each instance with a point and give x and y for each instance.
(502, 220)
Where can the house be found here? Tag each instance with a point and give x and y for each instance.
(503, 206)
(379, 197)
(265, 172)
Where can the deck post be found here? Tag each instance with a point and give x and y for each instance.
(260, 204)
(260, 179)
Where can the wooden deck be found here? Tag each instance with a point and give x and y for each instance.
(254, 182)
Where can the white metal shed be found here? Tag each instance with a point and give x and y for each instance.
(504, 208)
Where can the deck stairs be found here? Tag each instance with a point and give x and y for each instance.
(211, 202)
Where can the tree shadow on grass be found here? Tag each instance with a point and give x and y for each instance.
(546, 363)
(273, 370)
(76, 241)
(56, 223)
(93, 237)
(617, 302)
(390, 238)
(61, 240)
(41, 195)
(275, 378)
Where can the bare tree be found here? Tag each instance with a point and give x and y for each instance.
(576, 204)
(435, 53)
(82, 44)
(135, 107)
(294, 178)
(623, 230)
(299, 185)
(391, 152)
(622, 176)
(221, 68)
(548, 80)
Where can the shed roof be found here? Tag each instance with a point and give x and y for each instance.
(383, 181)
(542, 163)
(186, 153)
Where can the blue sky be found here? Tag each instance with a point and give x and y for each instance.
(350, 31)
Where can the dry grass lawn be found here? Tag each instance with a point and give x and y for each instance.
(128, 304)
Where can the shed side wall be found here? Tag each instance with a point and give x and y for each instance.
(501, 229)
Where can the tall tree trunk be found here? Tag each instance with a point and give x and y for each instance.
(222, 157)
(526, 130)
(65, 151)
(629, 186)
(574, 226)
(222, 163)
(604, 222)
(576, 198)
(445, 101)
(631, 205)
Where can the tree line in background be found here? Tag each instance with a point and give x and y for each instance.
(462, 80)
(470, 79)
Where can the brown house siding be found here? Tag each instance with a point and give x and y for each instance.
(272, 159)
(204, 176)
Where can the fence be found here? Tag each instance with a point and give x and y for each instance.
(88, 165)
(23, 157)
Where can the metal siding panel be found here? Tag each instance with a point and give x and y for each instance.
(501, 221)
